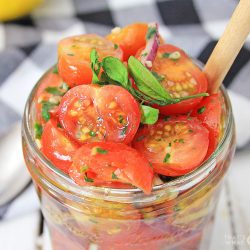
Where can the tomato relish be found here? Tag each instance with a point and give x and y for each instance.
(123, 110)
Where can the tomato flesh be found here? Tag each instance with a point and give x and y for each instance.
(209, 113)
(130, 38)
(89, 113)
(99, 162)
(57, 147)
(74, 57)
(180, 77)
(175, 146)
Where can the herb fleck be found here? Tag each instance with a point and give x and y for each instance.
(190, 131)
(166, 158)
(101, 151)
(87, 179)
(54, 91)
(201, 110)
(84, 168)
(55, 70)
(115, 46)
(166, 118)
(46, 107)
(181, 140)
(92, 133)
(124, 130)
(70, 54)
(114, 176)
(38, 130)
(151, 31)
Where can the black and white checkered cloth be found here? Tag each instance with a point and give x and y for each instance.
(28, 47)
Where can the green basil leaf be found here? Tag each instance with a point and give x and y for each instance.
(95, 65)
(146, 82)
(115, 70)
(149, 115)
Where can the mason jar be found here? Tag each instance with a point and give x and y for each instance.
(178, 214)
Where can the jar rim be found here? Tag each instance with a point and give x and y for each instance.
(206, 166)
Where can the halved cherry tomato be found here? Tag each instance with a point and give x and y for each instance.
(180, 76)
(130, 38)
(175, 146)
(90, 113)
(57, 147)
(99, 162)
(54, 82)
(209, 113)
(74, 57)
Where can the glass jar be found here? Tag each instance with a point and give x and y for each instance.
(177, 215)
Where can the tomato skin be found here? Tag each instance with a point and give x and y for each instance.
(181, 76)
(74, 57)
(130, 38)
(110, 112)
(57, 147)
(179, 138)
(112, 159)
(210, 118)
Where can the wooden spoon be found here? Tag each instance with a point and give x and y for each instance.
(228, 47)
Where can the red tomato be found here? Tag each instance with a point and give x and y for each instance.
(91, 113)
(180, 76)
(130, 38)
(57, 147)
(98, 162)
(209, 113)
(51, 80)
(174, 147)
(74, 57)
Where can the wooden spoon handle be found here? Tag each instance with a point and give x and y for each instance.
(228, 46)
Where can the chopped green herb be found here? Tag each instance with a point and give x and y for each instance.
(190, 118)
(190, 131)
(140, 138)
(54, 91)
(181, 140)
(70, 54)
(92, 133)
(176, 55)
(121, 119)
(55, 70)
(201, 110)
(87, 179)
(64, 86)
(94, 221)
(38, 130)
(114, 176)
(124, 130)
(84, 168)
(95, 65)
(175, 140)
(46, 107)
(101, 151)
(170, 144)
(166, 158)
(165, 55)
(116, 46)
(151, 31)
(59, 125)
(150, 164)
(158, 77)
(144, 54)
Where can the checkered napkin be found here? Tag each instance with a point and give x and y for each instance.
(28, 47)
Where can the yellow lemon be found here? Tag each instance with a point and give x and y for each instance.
(11, 9)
